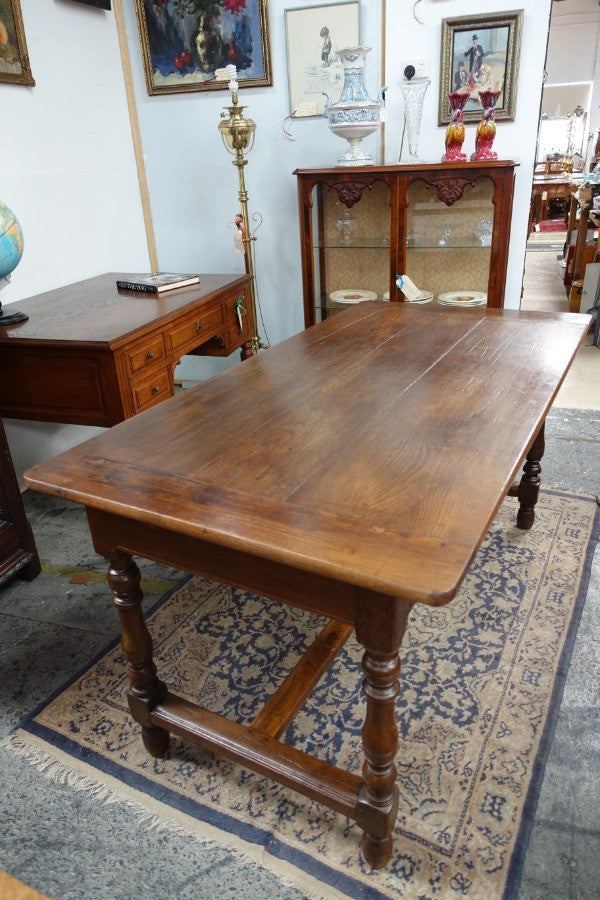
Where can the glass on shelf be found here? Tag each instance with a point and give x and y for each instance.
(483, 232)
(446, 235)
(346, 225)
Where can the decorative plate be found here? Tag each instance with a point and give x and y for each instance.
(463, 298)
(424, 297)
(352, 296)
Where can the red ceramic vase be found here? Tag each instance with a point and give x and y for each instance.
(486, 129)
(455, 132)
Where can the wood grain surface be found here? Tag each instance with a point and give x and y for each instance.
(96, 311)
(373, 449)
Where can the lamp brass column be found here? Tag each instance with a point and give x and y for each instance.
(238, 132)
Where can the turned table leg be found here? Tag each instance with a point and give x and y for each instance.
(146, 690)
(380, 628)
(529, 487)
(246, 350)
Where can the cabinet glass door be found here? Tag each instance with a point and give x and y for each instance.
(448, 248)
(351, 247)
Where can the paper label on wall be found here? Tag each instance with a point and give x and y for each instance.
(305, 109)
(408, 288)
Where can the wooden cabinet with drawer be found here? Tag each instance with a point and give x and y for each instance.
(196, 329)
(146, 353)
(236, 327)
(93, 355)
(153, 389)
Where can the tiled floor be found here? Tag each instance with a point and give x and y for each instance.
(543, 289)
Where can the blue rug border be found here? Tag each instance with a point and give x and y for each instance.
(196, 810)
(299, 858)
(252, 834)
(515, 870)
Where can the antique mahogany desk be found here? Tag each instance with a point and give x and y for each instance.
(352, 471)
(93, 355)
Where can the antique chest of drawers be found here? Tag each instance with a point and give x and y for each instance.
(91, 354)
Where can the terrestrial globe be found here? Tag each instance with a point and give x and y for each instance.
(11, 251)
(11, 241)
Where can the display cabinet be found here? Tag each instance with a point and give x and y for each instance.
(445, 225)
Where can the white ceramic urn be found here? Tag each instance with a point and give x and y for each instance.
(354, 116)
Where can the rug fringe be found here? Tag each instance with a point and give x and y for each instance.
(31, 750)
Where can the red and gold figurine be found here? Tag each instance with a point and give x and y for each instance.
(455, 132)
(486, 129)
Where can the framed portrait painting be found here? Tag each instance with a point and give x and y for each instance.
(184, 42)
(14, 60)
(481, 53)
(314, 34)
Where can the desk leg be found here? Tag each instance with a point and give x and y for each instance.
(380, 627)
(246, 351)
(146, 690)
(529, 487)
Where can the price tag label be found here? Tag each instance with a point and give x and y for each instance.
(305, 109)
(408, 288)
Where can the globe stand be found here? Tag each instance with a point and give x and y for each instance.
(9, 318)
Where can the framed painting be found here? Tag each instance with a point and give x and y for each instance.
(481, 53)
(101, 4)
(14, 60)
(314, 34)
(184, 42)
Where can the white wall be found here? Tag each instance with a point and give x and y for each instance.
(565, 97)
(68, 173)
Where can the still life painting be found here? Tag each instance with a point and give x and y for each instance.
(314, 35)
(480, 53)
(14, 61)
(185, 42)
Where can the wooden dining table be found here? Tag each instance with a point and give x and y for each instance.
(351, 471)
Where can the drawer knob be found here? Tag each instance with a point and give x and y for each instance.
(149, 355)
(155, 389)
(198, 327)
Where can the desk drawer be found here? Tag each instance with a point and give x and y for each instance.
(194, 331)
(151, 391)
(146, 353)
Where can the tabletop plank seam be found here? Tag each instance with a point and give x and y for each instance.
(384, 409)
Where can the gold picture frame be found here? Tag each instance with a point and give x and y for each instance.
(14, 59)
(481, 53)
(184, 43)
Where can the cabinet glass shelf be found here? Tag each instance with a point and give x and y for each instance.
(365, 245)
(355, 245)
(440, 248)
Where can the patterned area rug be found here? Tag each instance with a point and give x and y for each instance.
(481, 684)
(551, 225)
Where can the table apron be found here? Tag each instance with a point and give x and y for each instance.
(277, 581)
